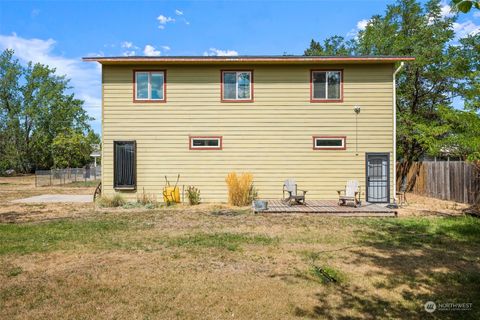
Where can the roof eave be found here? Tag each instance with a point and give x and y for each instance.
(240, 60)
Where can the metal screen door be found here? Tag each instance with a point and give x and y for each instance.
(378, 182)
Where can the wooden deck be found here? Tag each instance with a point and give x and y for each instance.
(331, 207)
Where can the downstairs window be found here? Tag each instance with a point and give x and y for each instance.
(329, 143)
(124, 158)
(205, 143)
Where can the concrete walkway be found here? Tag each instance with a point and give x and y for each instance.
(51, 198)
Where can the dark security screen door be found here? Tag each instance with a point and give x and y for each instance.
(378, 184)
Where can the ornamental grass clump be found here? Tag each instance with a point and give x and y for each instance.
(117, 200)
(240, 189)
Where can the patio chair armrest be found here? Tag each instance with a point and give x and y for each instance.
(304, 191)
(340, 192)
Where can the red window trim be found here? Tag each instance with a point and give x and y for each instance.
(330, 137)
(251, 86)
(220, 147)
(164, 100)
(326, 100)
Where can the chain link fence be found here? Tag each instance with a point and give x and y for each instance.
(55, 177)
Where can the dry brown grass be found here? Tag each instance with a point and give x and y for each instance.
(218, 262)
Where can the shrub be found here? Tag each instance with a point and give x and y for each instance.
(193, 195)
(111, 202)
(240, 189)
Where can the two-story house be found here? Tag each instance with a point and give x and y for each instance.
(319, 120)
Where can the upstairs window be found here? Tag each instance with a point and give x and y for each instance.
(326, 86)
(149, 86)
(237, 86)
(329, 143)
(205, 143)
(124, 166)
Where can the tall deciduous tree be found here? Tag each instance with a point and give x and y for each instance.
(35, 107)
(72, 149)
(443, 70)
(427, 83)
(333, 46)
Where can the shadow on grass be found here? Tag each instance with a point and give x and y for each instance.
(423, 259)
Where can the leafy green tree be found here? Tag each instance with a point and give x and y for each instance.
(409, 29)
(10, 73)
(72, 149)
(462, 138)
(333, 46)
(427, 124)
(35, 107)
(466, 57)
(466, 5)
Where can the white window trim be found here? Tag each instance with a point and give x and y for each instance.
(237, 73)
(149, 85)
(218, 139)
(316, 147)
(326, 85)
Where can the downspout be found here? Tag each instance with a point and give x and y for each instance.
(395, 131)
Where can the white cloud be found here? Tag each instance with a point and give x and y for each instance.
(166, 48)
(178, 12)
(131, 49)
(362, 24)
(467, 28)
(85, 77)
(163, 20)
(446, 10)
(150, 51)
(219, 52)
(129, 53)
(126, 44)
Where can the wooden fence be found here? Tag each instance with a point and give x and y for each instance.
(448, 180)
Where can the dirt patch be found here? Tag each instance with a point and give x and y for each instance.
(424, 206)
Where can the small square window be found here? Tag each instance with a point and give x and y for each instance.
(329, 143)
(237, 86)
(206, 143)
(326, 86)
(149, 86)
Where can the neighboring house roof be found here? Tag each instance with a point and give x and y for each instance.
(248, 59)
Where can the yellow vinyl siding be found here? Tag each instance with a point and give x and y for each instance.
(270, 137)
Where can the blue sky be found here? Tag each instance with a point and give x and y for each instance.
(59, 33)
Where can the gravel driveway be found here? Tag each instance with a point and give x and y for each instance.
(50, 198)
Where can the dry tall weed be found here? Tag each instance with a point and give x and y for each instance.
(147, 199)
(239, 188)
